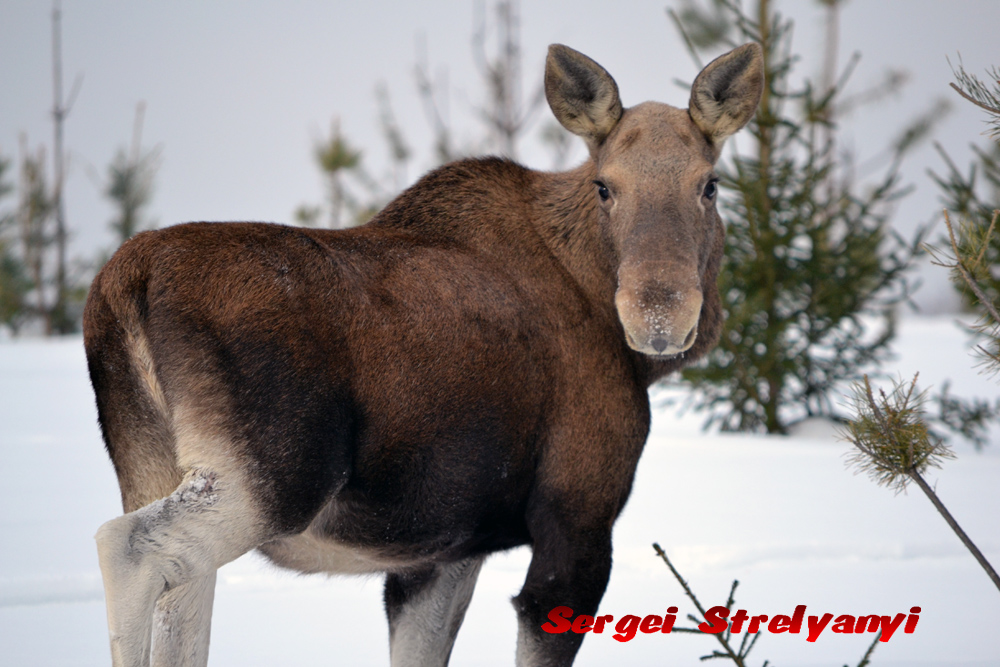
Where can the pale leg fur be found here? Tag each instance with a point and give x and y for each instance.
(424, 631)
(182, 623)
(178, 541)
(528, 648)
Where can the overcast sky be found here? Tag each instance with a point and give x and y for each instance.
(237, 92)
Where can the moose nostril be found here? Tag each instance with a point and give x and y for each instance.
(689, 340)
(659, 344)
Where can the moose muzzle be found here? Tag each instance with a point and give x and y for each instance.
(659, 306)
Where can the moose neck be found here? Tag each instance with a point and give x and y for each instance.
(569, 224)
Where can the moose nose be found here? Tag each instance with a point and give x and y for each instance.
(659, 304)
(663, 327)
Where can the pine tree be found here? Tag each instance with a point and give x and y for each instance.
(35, 224)
(812, 268)
(335, 157)
(14, 284)
(130, 183)
(505, 114)
(974, 195)
(59, 319)
(895, 443)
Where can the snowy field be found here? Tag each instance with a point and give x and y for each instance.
(782, 515)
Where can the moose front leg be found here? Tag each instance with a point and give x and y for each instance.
(569, 570)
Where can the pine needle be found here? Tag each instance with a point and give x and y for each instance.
(890, 436)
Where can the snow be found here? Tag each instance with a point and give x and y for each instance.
(782, 515)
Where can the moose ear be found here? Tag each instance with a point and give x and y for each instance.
(582, 95)
(725, 95)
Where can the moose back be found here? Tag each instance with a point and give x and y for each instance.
(466, 373)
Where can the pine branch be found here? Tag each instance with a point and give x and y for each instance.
(679, 25)
(896, 447)
(966, 243)
(972, 99)
(967, 276)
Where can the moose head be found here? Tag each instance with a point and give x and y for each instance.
(656, 185)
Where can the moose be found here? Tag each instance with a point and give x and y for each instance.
(464, 374)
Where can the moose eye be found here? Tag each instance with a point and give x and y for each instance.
(711, 189)
(602, 191)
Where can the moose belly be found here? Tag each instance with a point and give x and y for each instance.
(311, 552)
(346, 538)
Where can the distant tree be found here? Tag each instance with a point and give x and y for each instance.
(559, 141)
(505, 115)
(434, 94)
(505, 112)
(60, 319)
(37, 234)
(812, 268)
(130, 183)
(37, 284)
(399, 150)
(335, 157)
(14, 284)
(307, 215)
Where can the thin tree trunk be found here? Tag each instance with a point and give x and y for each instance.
(969, 544)
(58, 322)
(764, 113)
(775, 381)
(336, 200)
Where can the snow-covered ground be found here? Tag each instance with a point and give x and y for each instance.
(782, 515)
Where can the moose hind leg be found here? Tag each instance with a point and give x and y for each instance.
(182, 623)
(426, 609)
(172, 544)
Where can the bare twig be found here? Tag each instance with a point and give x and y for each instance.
(866, 658)
(736, 657)
(429, 92)
(692, 51)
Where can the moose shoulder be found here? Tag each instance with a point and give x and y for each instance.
(464, 374)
